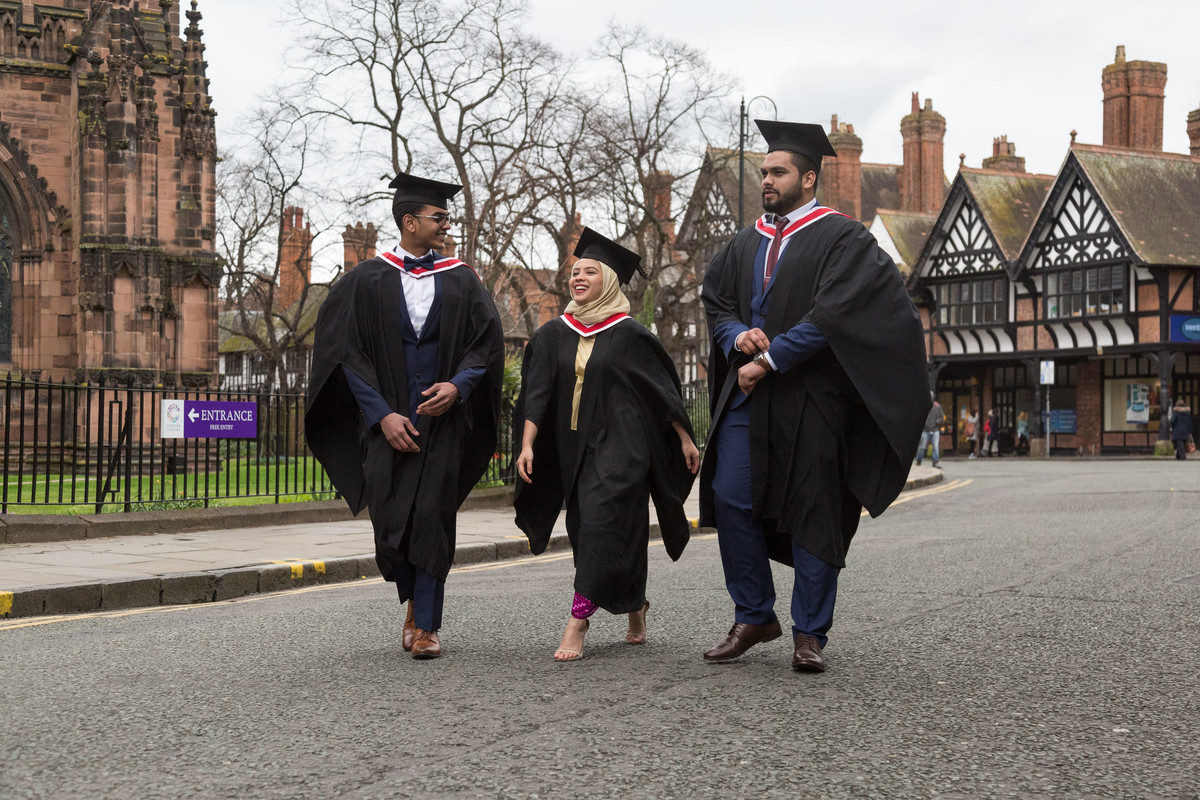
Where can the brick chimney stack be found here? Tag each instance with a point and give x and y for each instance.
(358, 243)
(841, 176)
(1193, 129)
(658, 193)
(1133, 103)
(922, 177)
(1004, 156)
(295, 257)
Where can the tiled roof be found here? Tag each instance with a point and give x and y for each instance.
(908, 230)
(233, 338)
(1009, 203)
(880, 189)
(1154, 197)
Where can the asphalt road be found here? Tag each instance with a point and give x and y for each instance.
(1020, 630)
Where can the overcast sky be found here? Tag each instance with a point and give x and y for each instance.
(1029, 69)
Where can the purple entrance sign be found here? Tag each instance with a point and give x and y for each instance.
(219, 420)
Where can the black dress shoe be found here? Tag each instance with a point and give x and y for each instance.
(742, 636)
(807, 656)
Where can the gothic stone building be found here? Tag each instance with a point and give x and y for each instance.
(107, 193)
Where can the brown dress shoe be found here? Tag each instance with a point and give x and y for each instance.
(742, 636)
(410, 630)
(426, 645)
(807, 656)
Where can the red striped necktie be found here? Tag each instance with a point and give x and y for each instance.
(773, 252)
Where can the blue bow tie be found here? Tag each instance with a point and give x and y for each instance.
(424, 261)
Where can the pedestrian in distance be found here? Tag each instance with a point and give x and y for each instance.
(819, 392)
(602, 428)
(971, 433)
(1181, 429)
(991, 432)
(404, 399)
(931, 435)
(1023, 432)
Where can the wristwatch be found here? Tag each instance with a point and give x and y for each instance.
(762, 361)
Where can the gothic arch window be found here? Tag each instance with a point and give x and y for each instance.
(8, 37)
(8, 250)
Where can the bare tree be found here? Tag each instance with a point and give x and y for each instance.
(651, 130)
(438, 86)
(268, 294)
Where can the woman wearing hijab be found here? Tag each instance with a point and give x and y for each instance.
(602, 426)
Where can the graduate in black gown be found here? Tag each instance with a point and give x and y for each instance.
(819, 390)
(404, 399)
(602, 427)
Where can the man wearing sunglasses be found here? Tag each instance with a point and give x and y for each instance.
(404, 398)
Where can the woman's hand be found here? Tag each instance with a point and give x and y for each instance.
(691, 454)
(525, 464)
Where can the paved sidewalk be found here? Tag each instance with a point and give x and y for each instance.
(168, 569)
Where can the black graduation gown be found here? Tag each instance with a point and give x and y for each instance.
(623, 453)
(847, 421)
(359, 328)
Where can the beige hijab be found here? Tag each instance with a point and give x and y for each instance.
(611, 301)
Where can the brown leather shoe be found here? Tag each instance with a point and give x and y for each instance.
(410, 629)
(426, 645)
(807, 656)
(742, 636)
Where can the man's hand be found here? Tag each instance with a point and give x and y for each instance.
(753, 342)
(749, 375)
(400, 433)
(441, 397)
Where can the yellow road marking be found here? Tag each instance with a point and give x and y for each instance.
(297, 565)
(918, 493)
(254, 598)
(6, 601)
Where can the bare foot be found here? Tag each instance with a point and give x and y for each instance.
(637, 626)
(571, 646)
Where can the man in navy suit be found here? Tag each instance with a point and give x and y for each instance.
(404, 398)
(819, 395)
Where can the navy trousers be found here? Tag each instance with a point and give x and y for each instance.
(743, 543)
(426, 592)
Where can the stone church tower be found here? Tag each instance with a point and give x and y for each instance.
(107, 193)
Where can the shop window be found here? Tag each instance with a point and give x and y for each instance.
(1131, 404)
(1091, 291)
(980, 301)
(1133, 366)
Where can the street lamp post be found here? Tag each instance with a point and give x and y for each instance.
(743, 119)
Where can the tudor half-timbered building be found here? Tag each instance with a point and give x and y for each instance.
(963, 282)
(1092, 272)
(1110, 262)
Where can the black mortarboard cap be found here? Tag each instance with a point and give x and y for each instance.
(620, 260)
(805, 138)
(411, 189)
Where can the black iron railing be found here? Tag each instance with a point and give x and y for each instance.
(96, 449)
(100, 449)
